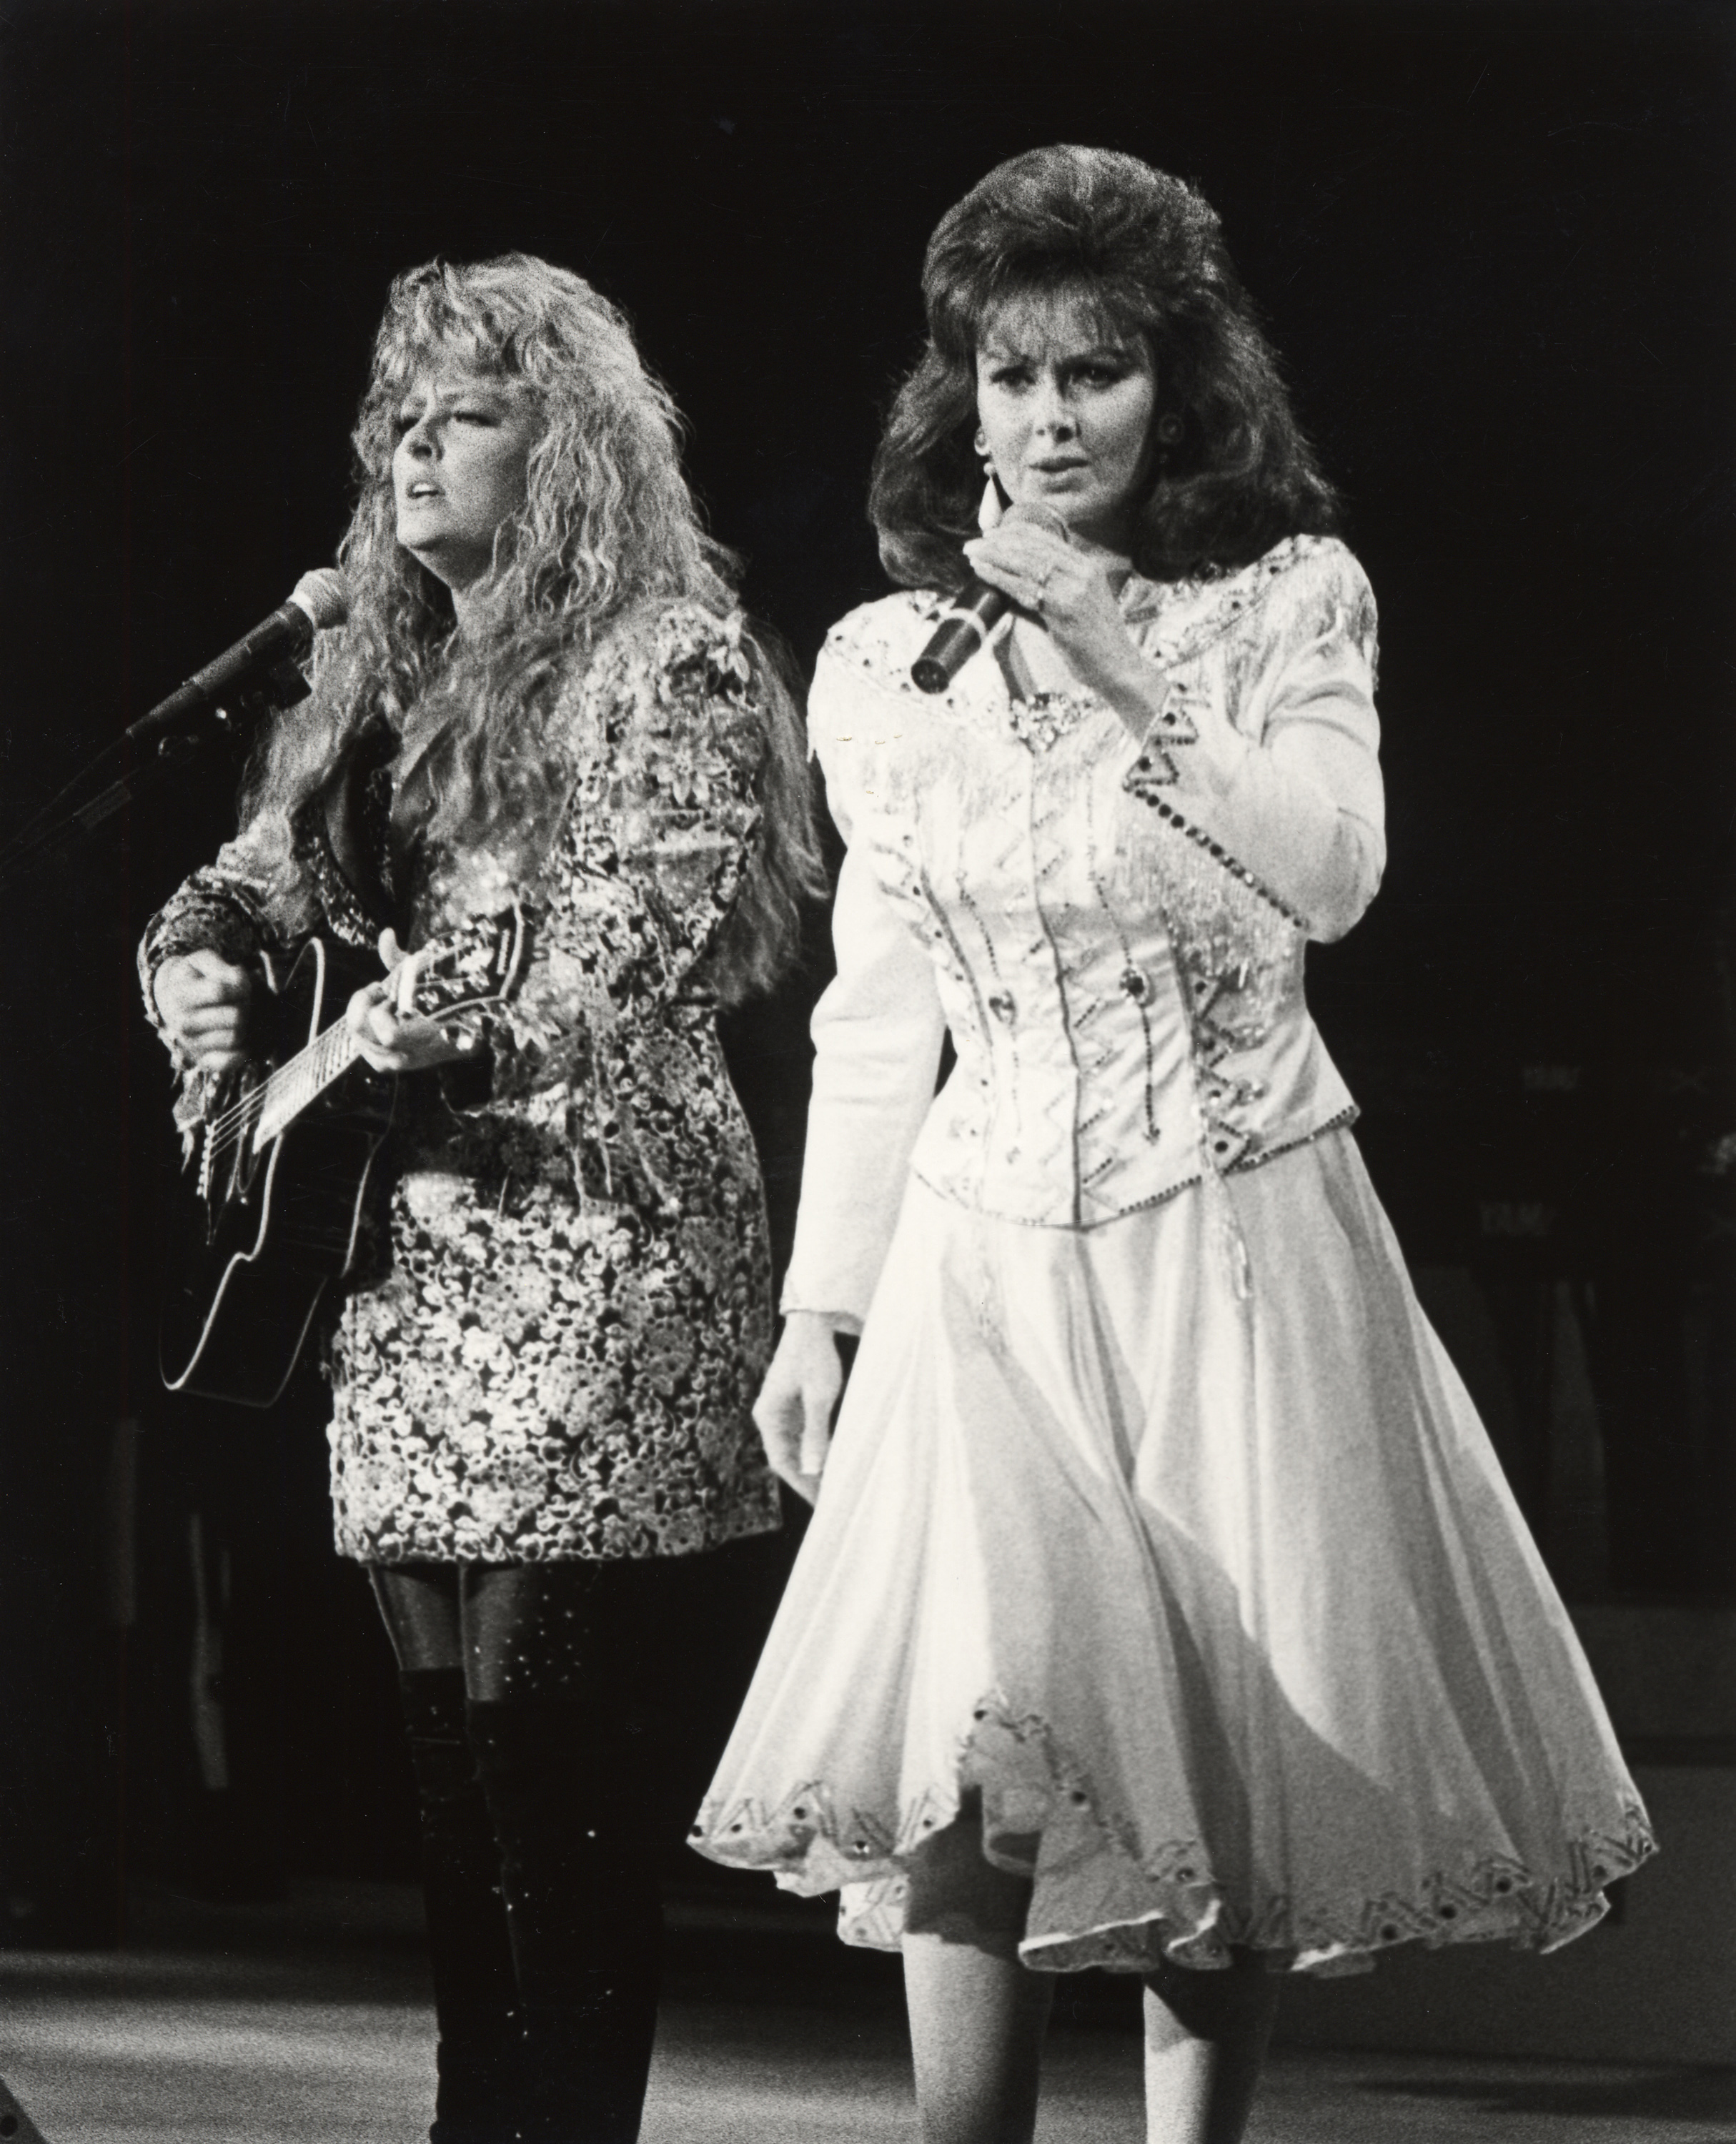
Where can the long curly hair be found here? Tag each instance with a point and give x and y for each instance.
(1143, 252)
(608, 527)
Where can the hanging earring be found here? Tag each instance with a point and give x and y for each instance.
(1167, 432)
(989, 513)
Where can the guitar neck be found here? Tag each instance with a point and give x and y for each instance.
(293, 1086)
(462, 972)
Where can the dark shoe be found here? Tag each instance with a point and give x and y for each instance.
(481, 2095)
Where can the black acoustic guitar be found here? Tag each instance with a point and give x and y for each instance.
(287, 1170)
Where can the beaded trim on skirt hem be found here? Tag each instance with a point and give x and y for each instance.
(1102, 1900)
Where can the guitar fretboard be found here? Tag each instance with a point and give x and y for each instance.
(306, 1076)
(485, 967)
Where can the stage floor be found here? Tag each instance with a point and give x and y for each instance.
(269, 2024)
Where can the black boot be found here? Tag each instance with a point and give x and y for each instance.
(579, 1868)
(481, 2054)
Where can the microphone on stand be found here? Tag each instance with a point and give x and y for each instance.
(319, 600)
(976, 610)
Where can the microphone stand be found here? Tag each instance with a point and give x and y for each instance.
(137, 761)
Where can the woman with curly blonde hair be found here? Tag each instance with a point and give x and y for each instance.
(545, 698)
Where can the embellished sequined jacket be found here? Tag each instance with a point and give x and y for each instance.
(1111, 930)
(664, 727)
(554, 1354)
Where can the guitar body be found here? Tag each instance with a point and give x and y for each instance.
(277, 1229)
(288, 1171)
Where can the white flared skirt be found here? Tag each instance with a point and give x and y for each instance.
(1200, 1569)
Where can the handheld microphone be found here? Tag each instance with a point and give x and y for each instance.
(976, 610)
(319, 600)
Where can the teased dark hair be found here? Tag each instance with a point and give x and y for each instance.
(1145, 252)
(608, 527)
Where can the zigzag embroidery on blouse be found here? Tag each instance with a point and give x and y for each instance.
(1171, 728)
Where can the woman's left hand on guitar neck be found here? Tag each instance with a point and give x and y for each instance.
(391, 1038)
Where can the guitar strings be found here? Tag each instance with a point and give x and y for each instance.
(230, 1125)
(250, 1110)
(229, 1122)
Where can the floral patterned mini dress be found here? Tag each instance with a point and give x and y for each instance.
(572, 1312)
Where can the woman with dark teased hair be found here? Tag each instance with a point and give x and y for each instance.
(546, 699)
(1163, 1607)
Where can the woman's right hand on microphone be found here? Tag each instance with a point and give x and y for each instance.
(202, 1001)
(794, 1410)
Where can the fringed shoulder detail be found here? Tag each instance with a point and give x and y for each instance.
(1299, 591)
(1325, 597)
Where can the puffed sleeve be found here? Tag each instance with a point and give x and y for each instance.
(662, 826)
(878, 1031)
(1282, 770)
(223, 907)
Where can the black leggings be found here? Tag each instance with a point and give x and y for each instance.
(592, 1634)
(541, 1701)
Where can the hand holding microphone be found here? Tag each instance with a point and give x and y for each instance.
(984, 599)
(1027, 560)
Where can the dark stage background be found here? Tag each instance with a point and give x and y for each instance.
(1495, 244)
